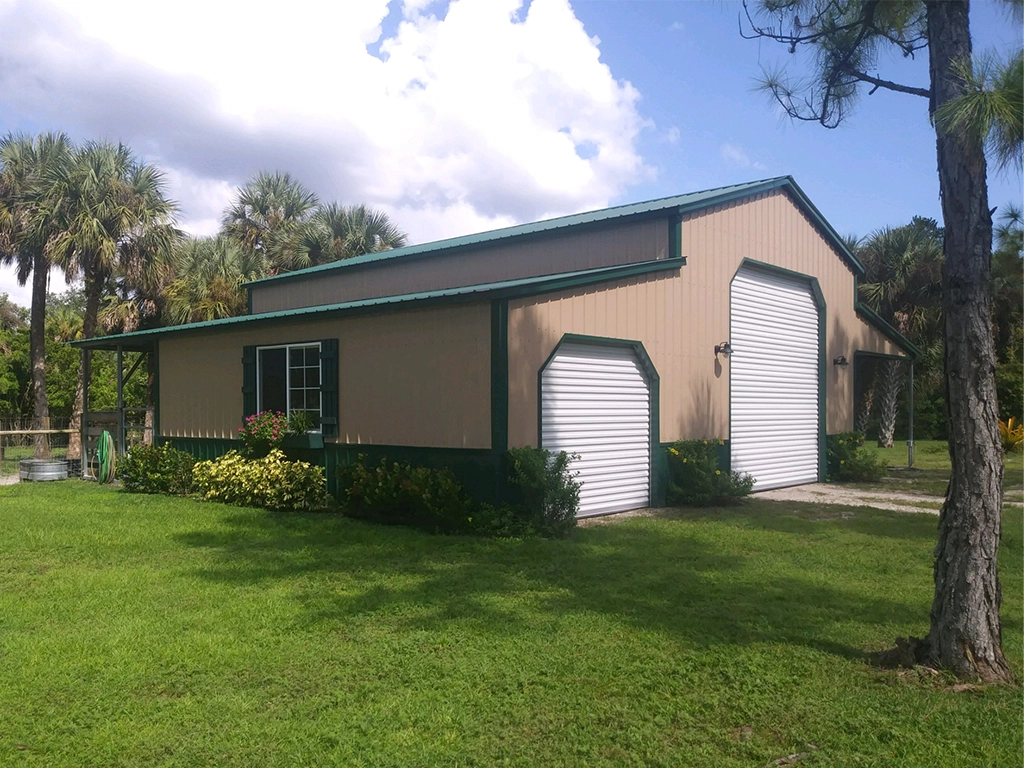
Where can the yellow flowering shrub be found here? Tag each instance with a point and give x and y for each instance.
(695, 480)
(270, 482)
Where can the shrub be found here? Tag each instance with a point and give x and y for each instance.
(400, 494)
(1010, 390)
(1011, 435)
(546, 497)
(269, 482)
(695, 480)
(850, 460)
(263, 432)
(156, 469)
(547, 490)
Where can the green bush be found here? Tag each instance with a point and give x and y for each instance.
(850, 460)
(546, 497)
(548, 494)
(400, 494)
(156, 469)
(694, 479)
(1010, 390)
(270, 482)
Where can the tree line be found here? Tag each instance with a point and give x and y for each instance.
(102, 216)
(903, 284)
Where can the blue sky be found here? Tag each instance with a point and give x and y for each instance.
(697, 74)
(458, 116)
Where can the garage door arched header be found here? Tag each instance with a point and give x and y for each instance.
(598, 397)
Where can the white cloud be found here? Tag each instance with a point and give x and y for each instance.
(676, 26)
(473, 114)
(736, 156)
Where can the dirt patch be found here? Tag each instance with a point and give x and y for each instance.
(823, 493)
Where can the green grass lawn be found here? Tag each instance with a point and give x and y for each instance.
(145, 631)
(930, 474)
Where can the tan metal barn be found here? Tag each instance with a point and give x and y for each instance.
(607, 334)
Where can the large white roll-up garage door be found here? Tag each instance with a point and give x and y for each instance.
(774, 370)
(596, 402)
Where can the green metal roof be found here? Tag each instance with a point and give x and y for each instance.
(505, 289)
(677, 205)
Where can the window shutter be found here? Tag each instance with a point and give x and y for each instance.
(248, 381)
(329, 387)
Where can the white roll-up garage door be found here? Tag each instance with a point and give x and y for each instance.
(774, 370)
(596, 402)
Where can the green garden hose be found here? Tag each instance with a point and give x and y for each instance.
(107, 456)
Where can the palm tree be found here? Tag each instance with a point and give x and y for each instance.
(25, 228)
(340, 232)
(208, 275)
(1008, 281)
(267, 218)
(903, 268)
(114, 219)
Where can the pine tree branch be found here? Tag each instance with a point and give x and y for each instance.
(888, 84)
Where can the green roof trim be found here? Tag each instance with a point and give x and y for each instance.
(672, 206)
(894, 336)
(527, 286)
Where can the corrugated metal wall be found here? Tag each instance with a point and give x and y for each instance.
(416, 378)
(680, 318)
(609, 246)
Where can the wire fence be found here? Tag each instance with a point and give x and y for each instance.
(21, 444)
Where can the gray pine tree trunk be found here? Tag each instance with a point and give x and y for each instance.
(890, 386)
(966, 634)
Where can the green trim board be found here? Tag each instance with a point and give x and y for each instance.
(674, 206)
(675, 237)
(499, 375)
(508, 289)
(819, 300)
(658, 463)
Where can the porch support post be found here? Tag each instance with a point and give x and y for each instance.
(120, 400)
(83, 423)
(910, 424)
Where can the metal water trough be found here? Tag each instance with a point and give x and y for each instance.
(42, 469)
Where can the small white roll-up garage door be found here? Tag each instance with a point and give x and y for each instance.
(596, 402)
(774, 368)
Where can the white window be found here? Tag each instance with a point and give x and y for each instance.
(288, 380)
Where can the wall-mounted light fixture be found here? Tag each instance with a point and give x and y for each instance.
(723, 349)
(841, 361)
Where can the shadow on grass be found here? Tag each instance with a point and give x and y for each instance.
(660, 576)
(809, 519)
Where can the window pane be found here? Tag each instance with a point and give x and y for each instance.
(312, 377)
(295, 359)
(313, 356)
(272, 382)
(313, 399)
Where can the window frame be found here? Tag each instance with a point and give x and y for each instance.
(288, 347)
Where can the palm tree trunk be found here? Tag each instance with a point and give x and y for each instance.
(865, 398)
(889, 401)
(37, 344)
(93, 288)
(966, 634)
